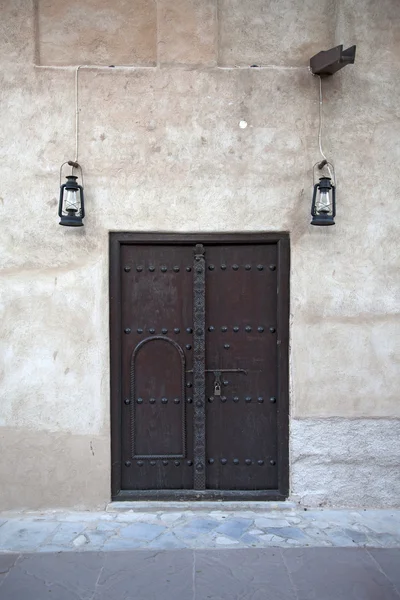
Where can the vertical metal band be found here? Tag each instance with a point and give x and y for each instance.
(199, 355)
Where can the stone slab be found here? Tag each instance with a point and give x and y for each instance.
(277, 32)
(332, 574)
(66, 576)
(187, 32)
(47, 532)
(66, 533)
(7, 561)
(142, 531)
(389, 561)
(234, 527)
(167, 541)
(196, 527)
(97, 32)
(17, 42)
(237, 574)
(25, 535)
(146, 575)
(234, 574)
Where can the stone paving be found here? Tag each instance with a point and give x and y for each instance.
(234, 574)
(200, 526)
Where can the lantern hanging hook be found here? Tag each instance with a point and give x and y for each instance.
(74, 165)
(320, 166)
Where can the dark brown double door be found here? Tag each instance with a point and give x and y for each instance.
(199, 365)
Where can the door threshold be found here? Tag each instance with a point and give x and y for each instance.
(199, 496)
(196, 506)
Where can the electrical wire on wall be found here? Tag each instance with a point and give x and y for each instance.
(76, 113)
(74, 163)
(325, 161)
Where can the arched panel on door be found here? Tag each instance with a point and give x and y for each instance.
(158, 417)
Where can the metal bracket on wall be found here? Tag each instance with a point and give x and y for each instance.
(328, 62)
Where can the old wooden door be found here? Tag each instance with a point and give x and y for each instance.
(199, 365)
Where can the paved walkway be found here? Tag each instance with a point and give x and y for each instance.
(198, 526)
(244, 574)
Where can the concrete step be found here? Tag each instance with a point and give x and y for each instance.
(206, 506)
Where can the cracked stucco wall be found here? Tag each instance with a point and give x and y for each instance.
(162, 149)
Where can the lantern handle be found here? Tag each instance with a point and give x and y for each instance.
(74, 165)
(321, 165)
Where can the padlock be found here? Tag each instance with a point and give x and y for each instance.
(217, 383)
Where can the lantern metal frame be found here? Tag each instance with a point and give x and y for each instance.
(70, 219)
(318, 218)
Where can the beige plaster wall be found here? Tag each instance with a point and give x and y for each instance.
(162, 150)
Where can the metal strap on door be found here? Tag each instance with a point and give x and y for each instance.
(199, 357)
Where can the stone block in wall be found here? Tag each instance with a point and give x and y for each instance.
(97, 32)
(187, 31)
(16, 34)
(345, 462)
(279, 32)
